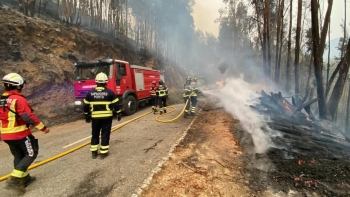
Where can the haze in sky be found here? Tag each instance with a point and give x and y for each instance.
(206, 11)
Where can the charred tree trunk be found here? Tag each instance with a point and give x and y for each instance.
(325, 28)
(339, 85)
(279, 39)
(297, 51)
(329, 54)
(347, 125)
(267, 14)
(288, 70)
(317, 61)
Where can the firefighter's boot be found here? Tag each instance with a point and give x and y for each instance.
(15, 184)
(165, 111)
(28, 180)
(104, 155)
(185, 115)
(161, 112)
(94, 154)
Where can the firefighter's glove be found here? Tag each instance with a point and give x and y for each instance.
(87, 118)
(117, 115)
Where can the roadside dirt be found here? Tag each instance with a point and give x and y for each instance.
(206, 163)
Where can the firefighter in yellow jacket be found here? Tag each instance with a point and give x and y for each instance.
(100, 106)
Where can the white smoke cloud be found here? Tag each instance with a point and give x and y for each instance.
(236, 97)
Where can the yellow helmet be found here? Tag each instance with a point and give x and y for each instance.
(101, 78)
(13, 79)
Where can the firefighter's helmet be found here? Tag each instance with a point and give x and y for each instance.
(195, 79)
(13, 79)
(153, 82)
(161, 82)
(101, 78)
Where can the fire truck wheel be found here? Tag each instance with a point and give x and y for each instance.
(130, 105)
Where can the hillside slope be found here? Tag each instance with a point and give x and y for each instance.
(43, 51)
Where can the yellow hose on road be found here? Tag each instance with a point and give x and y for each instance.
(177, 117)
(73, 149)
(2, 178)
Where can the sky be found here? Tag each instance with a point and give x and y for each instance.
(206, 11)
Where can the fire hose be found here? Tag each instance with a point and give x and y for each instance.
(2, 178)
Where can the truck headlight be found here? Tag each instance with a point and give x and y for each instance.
(77, 102)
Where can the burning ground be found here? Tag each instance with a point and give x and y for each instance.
(282, 152)
(307, 157)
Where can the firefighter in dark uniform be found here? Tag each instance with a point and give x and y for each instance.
(154, 97)
(100, 106)
(194, 88)
(185, 94)
(162, 93)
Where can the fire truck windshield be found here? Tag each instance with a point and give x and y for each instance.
(84, 72)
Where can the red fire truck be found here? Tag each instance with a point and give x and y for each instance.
(130, 82)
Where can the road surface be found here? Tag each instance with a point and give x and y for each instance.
(120, 174)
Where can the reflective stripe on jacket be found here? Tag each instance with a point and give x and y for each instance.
(162, 90)
(100, 103)
(186, 91)
(194, 88)
(16, 115)
(153, 91)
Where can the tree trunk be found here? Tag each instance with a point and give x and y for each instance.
(329, 54)
(339, 85)
(281, 39)
(297, 51)
(342, 46)
(278, 39)
(317, 61)
(268, 51)
(325, 29)
(288, 70)
(347, 118)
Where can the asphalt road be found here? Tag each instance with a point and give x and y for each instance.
(120, 174)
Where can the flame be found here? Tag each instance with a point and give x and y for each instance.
(300, 162)
(220, 83)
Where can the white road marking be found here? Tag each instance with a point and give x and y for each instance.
(81, 140)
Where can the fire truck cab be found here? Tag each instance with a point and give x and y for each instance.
(131, 83)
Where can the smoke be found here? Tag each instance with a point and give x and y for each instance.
(236, 97)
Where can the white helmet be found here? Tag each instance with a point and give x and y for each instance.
(13, 79)
(101, 78)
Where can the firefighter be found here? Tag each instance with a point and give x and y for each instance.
(100, 106)
(162, 93)
(154, 97)
(188, 82)
(185, 94)
(194, 89)
(16, 116)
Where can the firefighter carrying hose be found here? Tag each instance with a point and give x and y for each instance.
(162, 93)
(185, 94)
(154, 97)
(100, 106)
(16, 116)
(194, 88)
